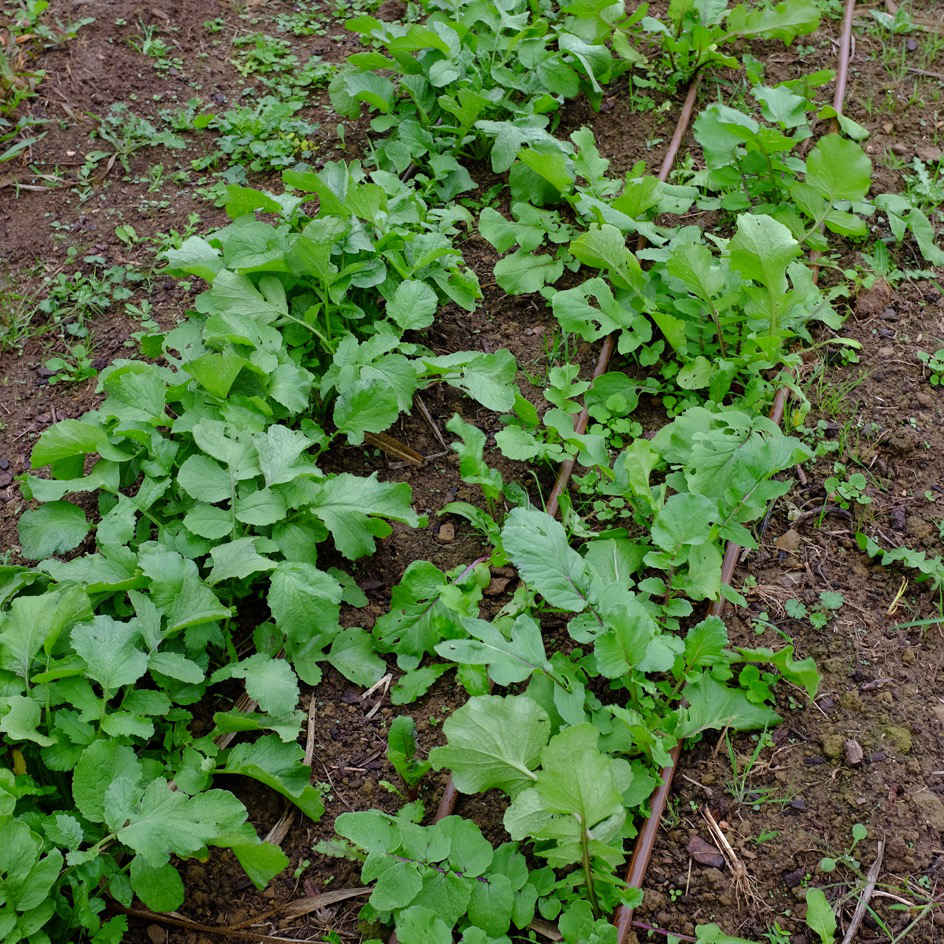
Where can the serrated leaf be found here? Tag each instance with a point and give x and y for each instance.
(53, 528)
(493, 742)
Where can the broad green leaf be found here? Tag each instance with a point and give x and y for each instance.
(493, 742)
(785, 21)
(713, 705)
(110, 651)
(69, 438)
(20, 718)
(279, 766)
(100, 763)
(270, 682)
(305, 603)
(204, 479)
(537, 544)
(413, 305)
(53, 528)
(508, 660)
(261, 861)
(158, 821)
(236, 560)
(604, 247)
(352, 654)
(352, 509)
(522, 273)
(762, 249)
(839, 169)
(820, 916)
(160, 888)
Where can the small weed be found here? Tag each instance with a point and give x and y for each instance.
(846, 487)
(126, 133)
(154, 47)
(935, 366)
(72, 367)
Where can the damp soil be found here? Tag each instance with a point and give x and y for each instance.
(869, 750)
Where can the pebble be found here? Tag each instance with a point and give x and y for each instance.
(798, 803)
(853, 752)
(4, 465)
(789, 541)
(924, 398)
(447, 532)
(156, 933)
(889, 314)
(704, 853)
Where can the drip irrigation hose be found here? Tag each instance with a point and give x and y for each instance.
(642, 852)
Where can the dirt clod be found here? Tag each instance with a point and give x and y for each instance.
(447, 532)
(853, 753)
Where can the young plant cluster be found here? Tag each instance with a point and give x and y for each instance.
(183, 530)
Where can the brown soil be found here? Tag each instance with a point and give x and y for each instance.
(882, 684)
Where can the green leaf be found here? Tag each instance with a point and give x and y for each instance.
(839, 169)
(305, 603)
(279, 766)
(351, 508)
(401, 751)
(419, 925)
(576, 800)
(522, 273)
(785, 21)
(493, 742)
(69, 438)
(352, 654)
(713, 705)
(508, 660)
(205, 480)
(53, 528)
(157, 821)
(820, 916)
(553, 166)
(261, 861)
(762, 249)
(537, 544)
(99, 764)
(604, 247)
(160, 888)
(413, 305)
(236, 560)
(270, 682)
(20, 718)
(109, 649)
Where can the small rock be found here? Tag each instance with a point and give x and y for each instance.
(496, 587)
(156, 933)
(853, 752)
(833, 745)
(447, 532)
(704, 853)
(929, 153)
(898, 737)
(789, 541)
(5, 479)
(798, 803)
(876, 757)
(898, 517)
(938, 711)
(4, 465)
(889, 314)
(911, 44)
(931, 808)
(924, 398)
(900, 148)
(920, 529)
(908, 656)
(794, 878)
